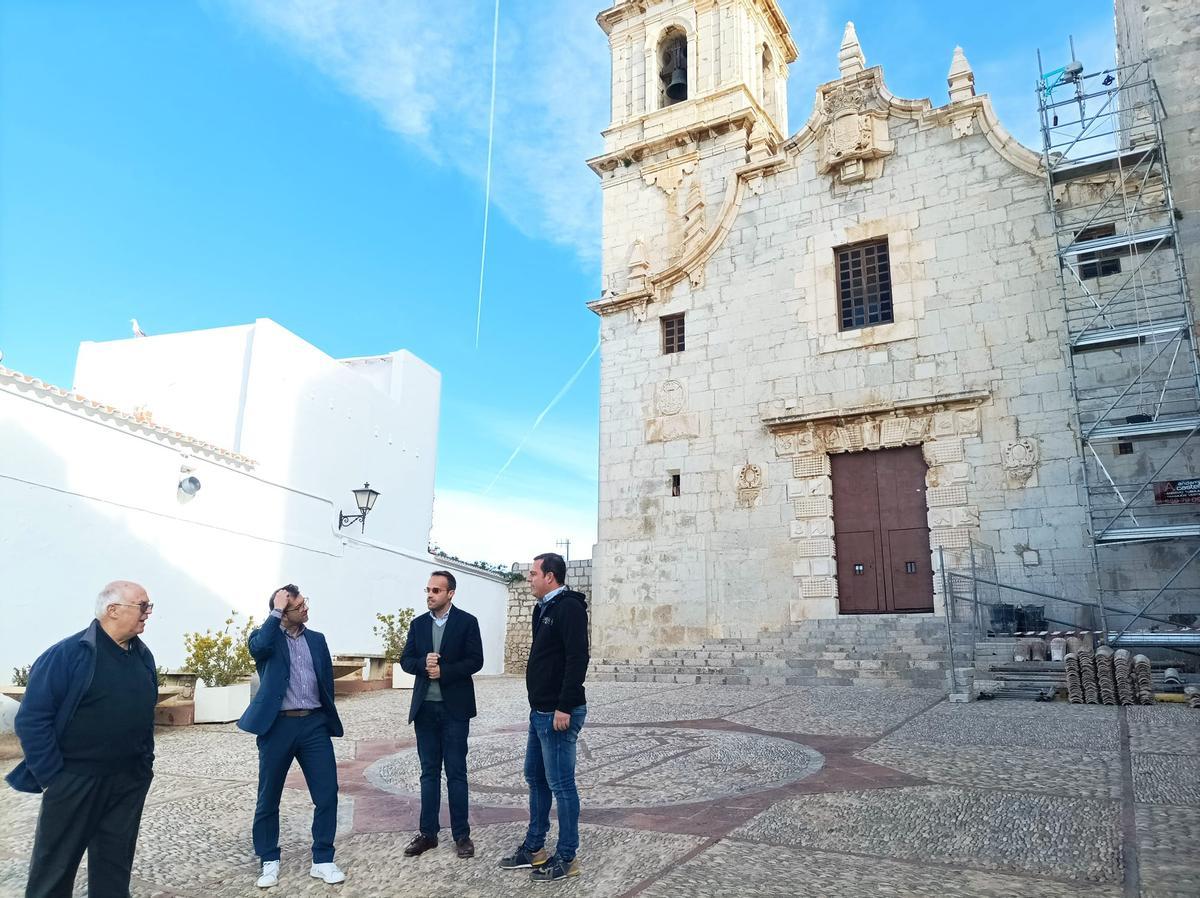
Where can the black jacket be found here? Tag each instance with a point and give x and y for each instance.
(461, 658)
(558, 658)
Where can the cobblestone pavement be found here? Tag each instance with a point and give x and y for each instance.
(836, 792)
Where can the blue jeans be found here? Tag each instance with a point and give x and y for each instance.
(303, 739)
(550, 772)
(442, 740)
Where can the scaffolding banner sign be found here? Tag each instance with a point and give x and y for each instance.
(1176, 492)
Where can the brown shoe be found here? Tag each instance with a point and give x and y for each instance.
(420, 844)
(465, 847)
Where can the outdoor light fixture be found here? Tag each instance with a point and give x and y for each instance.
(365, 500)
(189, 486)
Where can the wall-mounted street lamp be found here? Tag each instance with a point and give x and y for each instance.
(365, 499)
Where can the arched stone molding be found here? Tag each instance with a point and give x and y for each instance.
(965, 116)
(654, 39)
(941, 426)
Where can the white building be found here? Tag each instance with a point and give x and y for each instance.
(277, 433)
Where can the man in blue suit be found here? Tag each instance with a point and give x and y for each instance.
(443, 650)
(294, 717)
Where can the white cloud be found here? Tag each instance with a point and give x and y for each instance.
(426, 69)
(504, 530)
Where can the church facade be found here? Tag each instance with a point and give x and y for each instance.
(825, 355)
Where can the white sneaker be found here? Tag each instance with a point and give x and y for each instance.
(328, 872)
(270, 875)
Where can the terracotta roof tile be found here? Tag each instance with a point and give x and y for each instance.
(135, 421)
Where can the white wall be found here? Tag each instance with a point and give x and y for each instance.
(89, 497)
(308, 420)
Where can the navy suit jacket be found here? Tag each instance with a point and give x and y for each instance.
(272, 657)
(461, 658)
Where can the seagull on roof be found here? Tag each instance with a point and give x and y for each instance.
(137, 330)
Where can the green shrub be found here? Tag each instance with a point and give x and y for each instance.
(21, 676)
(221, 658)
(394, 630)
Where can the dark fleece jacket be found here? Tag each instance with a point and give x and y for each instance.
(558, 658)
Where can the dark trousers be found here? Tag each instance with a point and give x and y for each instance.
(307, 740)
(442, 741)
(97, 814)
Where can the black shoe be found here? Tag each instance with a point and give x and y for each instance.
(420, 844)
(523, 857)
(555, 868)
(465, 847)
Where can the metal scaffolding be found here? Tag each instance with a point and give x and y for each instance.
(1128, 315)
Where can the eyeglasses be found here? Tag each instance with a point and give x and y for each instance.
(303, 606)
(146, 607)
(434, 590)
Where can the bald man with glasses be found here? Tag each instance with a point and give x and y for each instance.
(86, 726)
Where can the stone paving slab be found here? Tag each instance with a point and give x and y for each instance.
(1054, 726)
(698, 702)
(1096, 775)
(824, 710)
(1166, 779)
(1163, 728)
(617, 767)
(1076, 839)
(375, 865)
(1168, 841)
(992, 799)
(738, 869)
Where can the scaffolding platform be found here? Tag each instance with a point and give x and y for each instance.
(1143, 429)
(1148, 534)
(1110, 337)
(1103, 164)
(1142, 240)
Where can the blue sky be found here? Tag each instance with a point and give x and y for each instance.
(200, 163)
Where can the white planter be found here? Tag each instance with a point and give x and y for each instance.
(400, 679)
(221, 704)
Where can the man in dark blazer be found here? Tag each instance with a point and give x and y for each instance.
(443, 650)
(294, 717)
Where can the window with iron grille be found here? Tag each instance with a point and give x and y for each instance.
(1100, 264)
(672, 333)
(864, 284)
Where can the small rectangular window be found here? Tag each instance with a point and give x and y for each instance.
(864, 284)
(1101, 264)
(672, 333)
(674, 484)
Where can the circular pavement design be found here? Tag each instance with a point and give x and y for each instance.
(622, 767)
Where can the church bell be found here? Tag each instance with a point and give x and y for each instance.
(677, 86)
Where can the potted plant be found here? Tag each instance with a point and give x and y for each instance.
(393, 628)
(222, 664)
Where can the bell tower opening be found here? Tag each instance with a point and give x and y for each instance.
(672, 69)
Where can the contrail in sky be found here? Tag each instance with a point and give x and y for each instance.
(553, 402)
(487, 191)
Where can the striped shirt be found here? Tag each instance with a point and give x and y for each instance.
(302, 689)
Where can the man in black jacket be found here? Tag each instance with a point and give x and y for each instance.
(558, 661)
(443, 651)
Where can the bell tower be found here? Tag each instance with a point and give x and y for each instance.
(699, 88)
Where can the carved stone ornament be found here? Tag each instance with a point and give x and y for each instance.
(854, 136)
(1020, 458)
(750, 478)
(670, 398)
(668, 177)
(749, 485)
